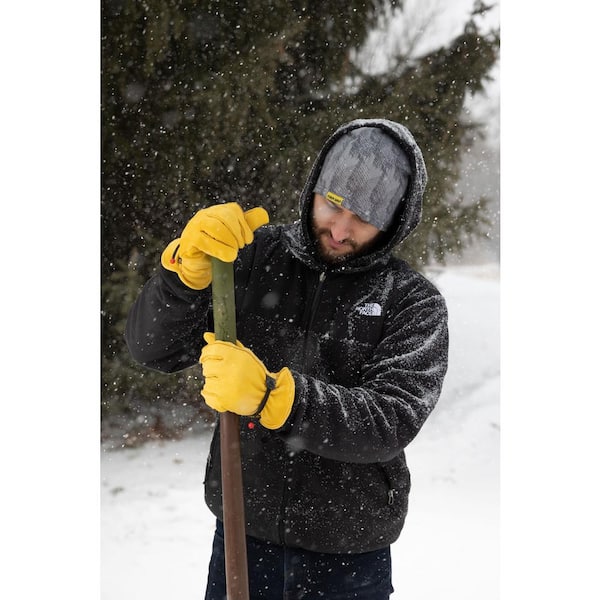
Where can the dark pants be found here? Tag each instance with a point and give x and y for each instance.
(280, 573)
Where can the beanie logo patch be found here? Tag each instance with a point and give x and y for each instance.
(335, 198)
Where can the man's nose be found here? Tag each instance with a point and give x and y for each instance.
(341, 228)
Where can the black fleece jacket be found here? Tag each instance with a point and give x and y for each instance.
(367, 344)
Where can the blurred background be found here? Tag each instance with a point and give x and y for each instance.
(230, 101)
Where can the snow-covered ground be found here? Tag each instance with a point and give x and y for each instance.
(156, 532)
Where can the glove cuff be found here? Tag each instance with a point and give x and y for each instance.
(277, 403)
(271, 384)
(195, 273)
(168, 258)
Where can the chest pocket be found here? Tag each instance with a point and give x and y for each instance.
(349, 339)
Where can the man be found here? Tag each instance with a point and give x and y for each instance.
(341, 356)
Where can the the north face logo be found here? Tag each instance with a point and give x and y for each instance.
(371, 309)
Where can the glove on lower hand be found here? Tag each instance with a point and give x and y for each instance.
(219, 231)
(237, 381)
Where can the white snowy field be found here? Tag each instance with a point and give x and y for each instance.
(156, 532)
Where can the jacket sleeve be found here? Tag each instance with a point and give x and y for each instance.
(166, 322)
(400, 385)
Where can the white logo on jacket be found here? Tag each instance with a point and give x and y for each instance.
(371, 309)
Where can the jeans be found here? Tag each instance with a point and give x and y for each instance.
(280, 573)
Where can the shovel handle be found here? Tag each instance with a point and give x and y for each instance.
(236, 564)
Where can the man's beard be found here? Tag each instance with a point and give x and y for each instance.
(320, 235)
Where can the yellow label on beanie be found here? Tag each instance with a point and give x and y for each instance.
(335, 198)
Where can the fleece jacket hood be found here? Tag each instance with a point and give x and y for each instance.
(299, 239)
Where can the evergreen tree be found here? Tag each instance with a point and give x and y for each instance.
(228, 101)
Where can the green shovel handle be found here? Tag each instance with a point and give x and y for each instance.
(236, 564)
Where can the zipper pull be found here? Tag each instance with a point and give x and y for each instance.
(391, 496)
(322, 276)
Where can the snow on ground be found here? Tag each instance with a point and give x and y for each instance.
(156, 532)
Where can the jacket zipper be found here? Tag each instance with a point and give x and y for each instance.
(313, 311)
(391, 491)
(290, 461)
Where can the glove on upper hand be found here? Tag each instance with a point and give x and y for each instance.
(235, 380)
(219, 231)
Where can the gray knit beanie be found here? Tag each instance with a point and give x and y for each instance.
(366, 172)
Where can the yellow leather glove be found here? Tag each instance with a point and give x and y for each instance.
(219, 231)
(235, 380)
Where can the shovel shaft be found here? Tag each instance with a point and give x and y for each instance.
(236, 564)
